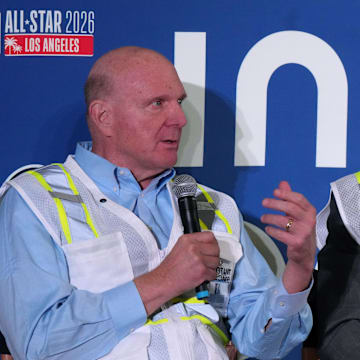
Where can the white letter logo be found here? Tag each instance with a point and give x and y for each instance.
(255, 71)
(189, 60)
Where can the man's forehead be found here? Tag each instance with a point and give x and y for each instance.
(149, 76)
(143, 66)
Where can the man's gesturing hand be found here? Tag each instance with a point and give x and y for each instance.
(296, 229)
(193, 260)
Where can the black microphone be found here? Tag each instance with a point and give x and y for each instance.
(184, 188)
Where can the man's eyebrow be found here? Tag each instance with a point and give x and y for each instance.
(157, 97)
(165, 97)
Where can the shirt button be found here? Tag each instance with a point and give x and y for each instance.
(122, 172)
(115, 188)
(282, 303)
(275, 292)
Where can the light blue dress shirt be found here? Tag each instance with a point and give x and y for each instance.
(44, 317)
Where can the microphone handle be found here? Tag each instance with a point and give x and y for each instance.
(190, 219)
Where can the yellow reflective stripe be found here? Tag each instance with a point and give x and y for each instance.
(357, 175)
(59, 205)
(207, 195)
(41, 180)
(89, 220)
(223, 218)
(217, 211)
(203, 319)
(206, 321)
(63, 219)
(203, 225)
(194, 300)
(68, 176)
(158, 322)
(76, 192)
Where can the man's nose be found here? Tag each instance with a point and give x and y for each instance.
(177, 117)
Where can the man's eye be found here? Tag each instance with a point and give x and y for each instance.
(180, 101)
(157, 103)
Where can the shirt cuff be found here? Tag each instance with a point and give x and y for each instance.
(126, 308)
(282, 304)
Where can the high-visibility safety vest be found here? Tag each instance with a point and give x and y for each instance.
(107, 245)
(346, 191)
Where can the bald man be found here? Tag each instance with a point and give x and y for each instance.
(100, 241)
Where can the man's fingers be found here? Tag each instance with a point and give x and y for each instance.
(204, 243)
(289, 208)
(212, 262)
(285, 193)
(280, 221)
(293, 197)
(288, 224)
(279, 234)
(284, 185)
(205, 266)
(203, 237)
(201, 250)
(283, 227)
(296, 209)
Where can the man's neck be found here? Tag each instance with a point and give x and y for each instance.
(145, 181)
(143, 177)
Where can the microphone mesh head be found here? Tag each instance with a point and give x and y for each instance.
(184, 185)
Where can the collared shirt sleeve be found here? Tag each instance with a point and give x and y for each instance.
(258, 296)
(42, 315)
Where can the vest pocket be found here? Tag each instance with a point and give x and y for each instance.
(99, 264)
(133, 347)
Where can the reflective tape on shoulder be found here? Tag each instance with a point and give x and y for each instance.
(217, 211)
(75, 191)
(59, 205)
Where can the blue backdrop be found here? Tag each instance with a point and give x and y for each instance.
(42, 107)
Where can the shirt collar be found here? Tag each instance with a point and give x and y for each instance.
(103, 171)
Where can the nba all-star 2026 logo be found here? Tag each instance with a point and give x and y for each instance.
(48, 32)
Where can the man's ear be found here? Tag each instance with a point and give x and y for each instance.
(100, 115)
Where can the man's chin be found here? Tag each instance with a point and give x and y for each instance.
(168, 160)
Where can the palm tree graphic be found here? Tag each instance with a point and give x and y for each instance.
(18, 48)
(10, 43)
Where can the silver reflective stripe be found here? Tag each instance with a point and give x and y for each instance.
(68, 197)
(201, 205)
